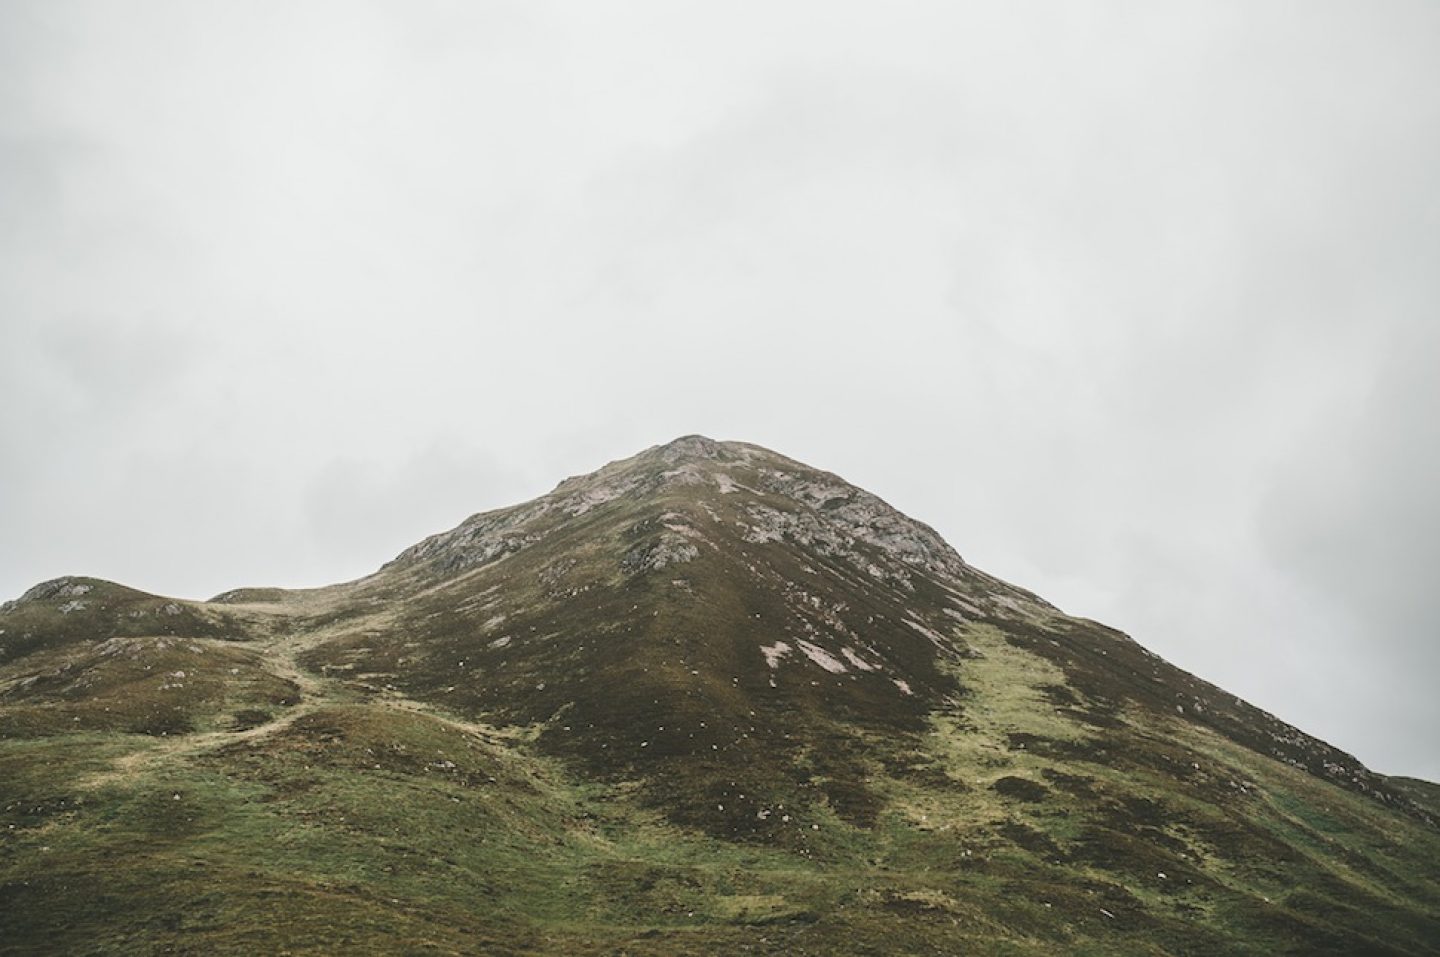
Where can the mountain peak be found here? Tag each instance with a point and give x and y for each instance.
(694, 526)
(693, 446)
(762, 496)
(697, 452)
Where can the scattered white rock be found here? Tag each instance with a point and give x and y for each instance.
(672, 548)
(590, 498)
(773, 654)
(822, 658)
(1008, 603)
(937, 639)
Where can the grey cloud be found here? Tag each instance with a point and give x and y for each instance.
(1129, 301)
(350, 503)
(1353, 517)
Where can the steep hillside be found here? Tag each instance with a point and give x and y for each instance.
(703, 700)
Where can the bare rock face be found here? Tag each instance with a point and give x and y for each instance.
(777, 500)
(56, 589)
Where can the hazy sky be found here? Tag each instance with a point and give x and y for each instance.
(1135, 302)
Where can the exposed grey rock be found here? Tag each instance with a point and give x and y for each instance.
(66, 587)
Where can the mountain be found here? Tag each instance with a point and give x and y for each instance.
(705, 700)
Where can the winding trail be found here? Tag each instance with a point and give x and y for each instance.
(281, 658)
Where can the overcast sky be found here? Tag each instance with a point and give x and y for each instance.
(1135, 302)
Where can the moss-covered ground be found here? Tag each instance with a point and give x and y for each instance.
(714, 705)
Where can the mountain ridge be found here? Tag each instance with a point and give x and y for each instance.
(481, 538)
(754, 657)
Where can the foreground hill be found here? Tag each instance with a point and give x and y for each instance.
(704, 700)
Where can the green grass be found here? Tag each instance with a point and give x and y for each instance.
(375, 831)
(557, 749)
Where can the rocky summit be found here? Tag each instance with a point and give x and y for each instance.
(705, 700)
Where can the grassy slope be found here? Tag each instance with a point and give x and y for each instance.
(380, 773)
(374, 829)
